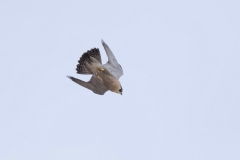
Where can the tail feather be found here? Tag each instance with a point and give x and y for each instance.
(82, 67)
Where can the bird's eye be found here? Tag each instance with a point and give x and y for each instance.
(120, 90)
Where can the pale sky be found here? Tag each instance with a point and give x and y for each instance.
(181, 82)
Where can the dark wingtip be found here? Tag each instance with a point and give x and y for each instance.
(102, 41)
(69, 77)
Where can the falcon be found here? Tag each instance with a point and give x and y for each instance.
(104, 77)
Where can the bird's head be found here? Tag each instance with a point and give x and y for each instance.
(120, 90)
(116, 87)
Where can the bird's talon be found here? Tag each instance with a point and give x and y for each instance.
(101, 69)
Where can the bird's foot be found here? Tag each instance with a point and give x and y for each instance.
(101, 69)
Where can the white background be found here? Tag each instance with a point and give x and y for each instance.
(181, 82)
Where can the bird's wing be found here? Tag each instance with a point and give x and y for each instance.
(112, 65)
(95, 84)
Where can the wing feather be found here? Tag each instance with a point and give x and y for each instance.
(94, 84)
(112, 65)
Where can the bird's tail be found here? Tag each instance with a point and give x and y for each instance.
(85, 62)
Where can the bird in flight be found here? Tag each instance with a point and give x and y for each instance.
(104, 77)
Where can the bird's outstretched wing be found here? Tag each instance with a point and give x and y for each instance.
(95, 84)
(112, 65)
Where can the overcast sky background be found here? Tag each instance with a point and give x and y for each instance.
(181, 82)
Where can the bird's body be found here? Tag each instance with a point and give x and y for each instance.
(104, 77)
